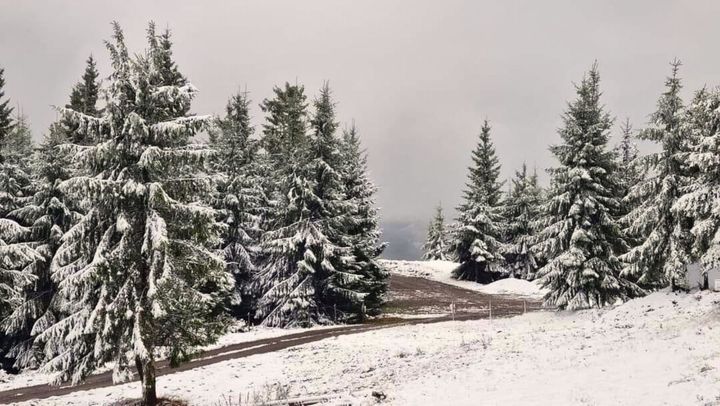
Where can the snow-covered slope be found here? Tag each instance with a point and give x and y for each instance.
(658, 350)
(441, 271)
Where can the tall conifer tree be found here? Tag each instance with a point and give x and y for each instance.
(581, 238)
(18, 260)
(6, 121)
(476, 238)
(698, 201)
(83, 98)
(665, 242)
(241, 198)
(147, 276)
(521, 210)
(362, 223)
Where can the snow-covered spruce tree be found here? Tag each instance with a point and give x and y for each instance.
(362, 226)
(167, 68)
(476, 238)
(6, 121)
(137, 274)
(83, 99)
(665, 241)
(627, 152)
(339, 287)
(17, 259)
(521, 210)
(581, 238)
(435, 247)
(306, 278)
(284, 282)
(699, 200)
(240, 199)
(48, 218)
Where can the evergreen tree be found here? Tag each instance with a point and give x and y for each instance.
(137, 273)
(284, 281)
(521, 210)
(627, 152)
(340, 287)
(436, 245)
(241, 198)
(307, 278)
(83, 99)
(285, 129)
(581, 238)
(161, 52)
(47, 218)
(362, 223)
(6, 121)
(664, 239)
(17, 260)
(698, 200)
(15, 182)
(476, 240)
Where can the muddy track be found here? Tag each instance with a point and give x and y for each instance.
(408, 295)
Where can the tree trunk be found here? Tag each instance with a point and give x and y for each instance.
(149, 395)
(139, 368)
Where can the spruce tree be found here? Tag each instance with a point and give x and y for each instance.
(47, 218)
(699, 197)
(664, 239)
(435, 247)
(18, 272)
(340, 286)
(161, 50)
(476, 239)
(284, 282)
(83, 98)
(307, 278)
(581, 238)
(241, 199)
(521, 210)
(362, 224)
(147, 276)
(627, 152)
(6, 121)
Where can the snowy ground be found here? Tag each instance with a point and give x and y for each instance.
(31, 377)
(658, 350)
(441, 271)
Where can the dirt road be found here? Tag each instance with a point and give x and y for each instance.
(408, 295)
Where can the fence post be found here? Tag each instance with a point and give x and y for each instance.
(490, 303)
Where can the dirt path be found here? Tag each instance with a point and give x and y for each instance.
(408, 295)
(411, 295)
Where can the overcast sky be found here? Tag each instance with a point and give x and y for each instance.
(418, 77)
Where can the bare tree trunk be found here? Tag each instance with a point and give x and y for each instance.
(149, 395)
(139, 368)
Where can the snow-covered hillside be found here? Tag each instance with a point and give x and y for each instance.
(441, 271)
(658, 350)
